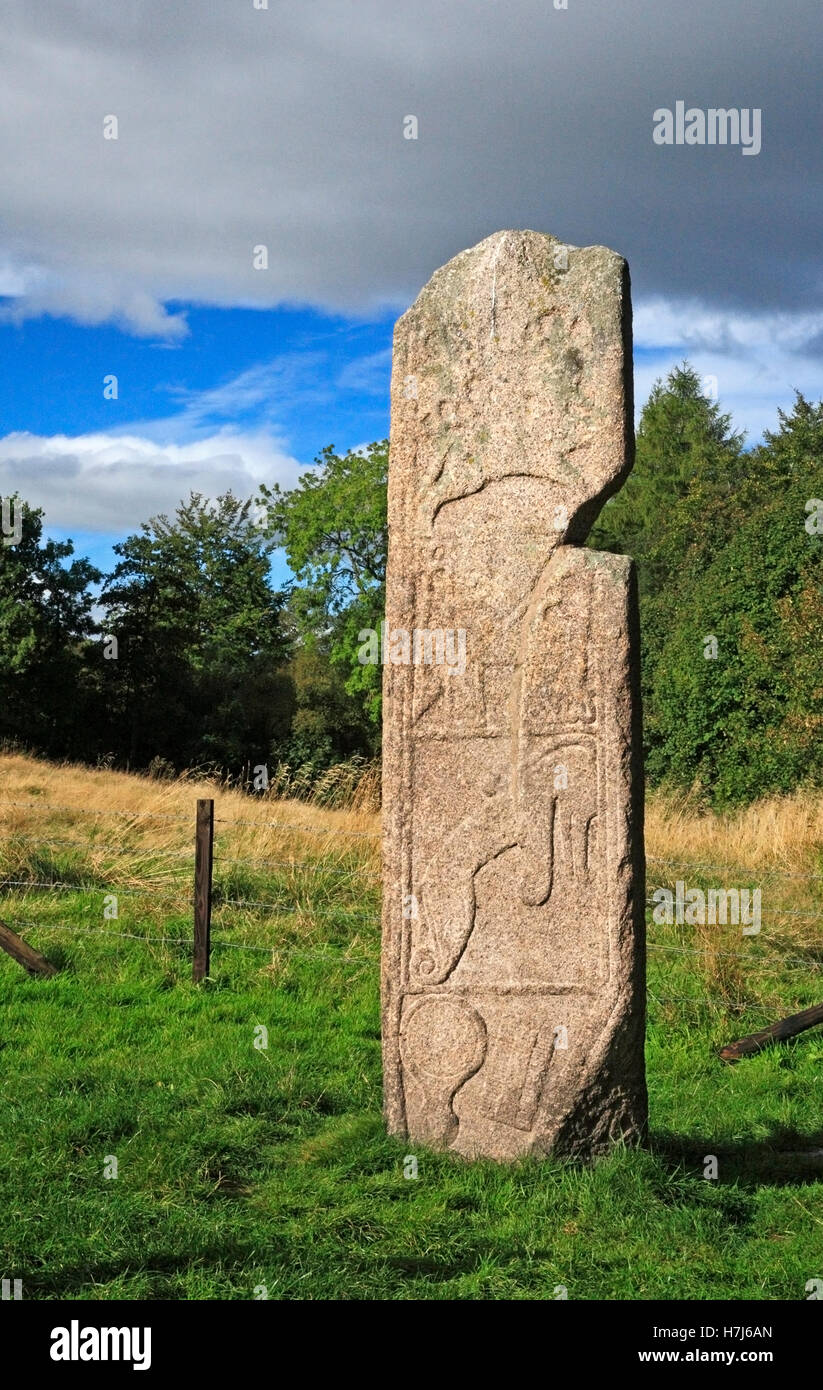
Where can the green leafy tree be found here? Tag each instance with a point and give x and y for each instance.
(676, 509)
(334, 531)
(46, 626)
(684, 445)
(328, 724)
(201, 642)
(748, 720)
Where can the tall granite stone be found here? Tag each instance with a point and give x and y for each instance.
(513, 926)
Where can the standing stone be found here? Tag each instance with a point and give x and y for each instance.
(513, 924)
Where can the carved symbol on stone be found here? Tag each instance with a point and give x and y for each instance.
(442, 1043)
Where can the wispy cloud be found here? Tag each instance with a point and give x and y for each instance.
(257, 398)
(369, 374)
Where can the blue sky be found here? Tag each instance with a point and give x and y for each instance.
(297, 378)
(335, 374)
(253, 395)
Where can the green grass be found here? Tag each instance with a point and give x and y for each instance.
(241, 1167)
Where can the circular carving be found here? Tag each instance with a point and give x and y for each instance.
(444, 1038)
(424, 963)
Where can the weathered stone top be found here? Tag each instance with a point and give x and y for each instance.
(520, 357)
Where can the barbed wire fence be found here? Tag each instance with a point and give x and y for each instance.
(203, 912)
(763, 949)
(202, 941)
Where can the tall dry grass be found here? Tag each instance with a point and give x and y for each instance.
(138, 831)
(775, 835)
(780, 833)
(141, 818)
(774, 845)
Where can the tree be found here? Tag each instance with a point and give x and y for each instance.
(334, 530)
(328, 724)
(201, 645)
(684, 445)
(46, 623)
(679, 504)
(736, 696)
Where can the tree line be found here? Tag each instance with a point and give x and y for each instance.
(187, 655)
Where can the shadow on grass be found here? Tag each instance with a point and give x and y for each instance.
(787, 1157)
(161, 1272)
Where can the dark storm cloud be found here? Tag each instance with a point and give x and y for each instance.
(284, 126)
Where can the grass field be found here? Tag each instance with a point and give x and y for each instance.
(240, 1167)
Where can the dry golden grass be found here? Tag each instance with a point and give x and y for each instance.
(775, 845)
(140, 829)
(133, 798)
(138, 833)
(780, 833)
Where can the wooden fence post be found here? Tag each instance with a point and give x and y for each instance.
(24, 954)
(786, 1028)
(203, 857)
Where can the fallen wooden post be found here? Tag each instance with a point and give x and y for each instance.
(786, 1028)
(30, 959)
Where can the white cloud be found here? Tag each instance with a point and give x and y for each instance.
(754, 361)
(225, 438)
(90, 300)
(697, 327)
(16, 280)
(110, 483)
(300, 378)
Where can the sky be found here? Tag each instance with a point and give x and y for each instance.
(243, 125)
